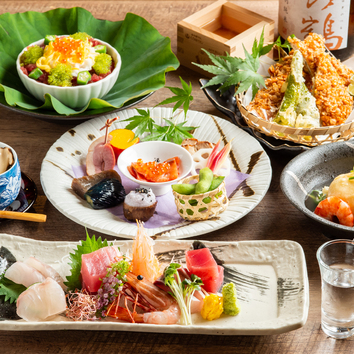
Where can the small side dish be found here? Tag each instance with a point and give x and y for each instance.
(73, 69)
(336, 201)
(77, 59)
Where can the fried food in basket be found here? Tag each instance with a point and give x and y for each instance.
(325, 76)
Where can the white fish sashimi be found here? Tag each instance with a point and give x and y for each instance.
(21, 273)
(41, 301)
(46, 270)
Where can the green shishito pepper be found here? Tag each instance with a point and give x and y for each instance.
(83, 77)
(100, 48)
(35, 74)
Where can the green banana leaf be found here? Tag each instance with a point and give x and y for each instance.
(146, 56)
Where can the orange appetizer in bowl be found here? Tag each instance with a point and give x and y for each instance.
(155, 165)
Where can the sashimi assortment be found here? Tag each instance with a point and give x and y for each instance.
(136, 288)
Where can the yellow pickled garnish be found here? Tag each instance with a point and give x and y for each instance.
(212, 307)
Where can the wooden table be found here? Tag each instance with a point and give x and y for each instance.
(273, 219)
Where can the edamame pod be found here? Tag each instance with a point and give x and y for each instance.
(185, 189)
(216, 182)
(205, 179)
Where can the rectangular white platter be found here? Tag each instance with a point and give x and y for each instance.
(270, 277)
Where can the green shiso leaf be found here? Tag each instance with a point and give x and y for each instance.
(10, 290)
(146, 56)
(90, 245)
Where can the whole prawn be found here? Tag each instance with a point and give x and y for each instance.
(161, 308)
(333, 208)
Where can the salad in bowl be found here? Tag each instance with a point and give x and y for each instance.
(72, 68)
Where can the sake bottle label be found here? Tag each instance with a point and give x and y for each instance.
(327, 17)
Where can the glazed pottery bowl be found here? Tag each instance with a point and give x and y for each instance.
(76, 96)
(315, 169)
(10, 181)
(149, 151)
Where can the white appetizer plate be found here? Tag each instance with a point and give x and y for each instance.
(270, 278)
(70, 150)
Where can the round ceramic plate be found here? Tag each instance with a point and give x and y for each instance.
(67, 156)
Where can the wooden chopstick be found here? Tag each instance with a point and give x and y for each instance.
(23, 216)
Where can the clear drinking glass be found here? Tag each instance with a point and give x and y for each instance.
(336, 261)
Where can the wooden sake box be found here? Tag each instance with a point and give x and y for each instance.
(219, 28)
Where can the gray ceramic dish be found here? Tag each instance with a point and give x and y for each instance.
(315, 169)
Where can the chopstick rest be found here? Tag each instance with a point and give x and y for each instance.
(23, 216)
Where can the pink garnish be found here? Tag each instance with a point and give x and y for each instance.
(82, 306)
(216, 159)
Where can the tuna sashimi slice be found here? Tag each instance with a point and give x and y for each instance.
(94, 266)
(202, 263)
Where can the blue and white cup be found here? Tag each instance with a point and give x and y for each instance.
(10, 181)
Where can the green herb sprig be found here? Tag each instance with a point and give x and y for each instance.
(233, 71)
(90, 245)
(10, 290)
(171, 131)
(182, 291)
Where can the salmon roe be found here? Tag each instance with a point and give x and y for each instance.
(69, 49)
(155, 171)
(152, 169)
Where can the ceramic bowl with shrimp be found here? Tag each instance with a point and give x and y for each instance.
(312, 171)
(158, 151)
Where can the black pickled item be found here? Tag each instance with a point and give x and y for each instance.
(81, 185)
(105, 194)
(7, 310)
(140, 277)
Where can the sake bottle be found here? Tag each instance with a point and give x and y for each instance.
(334, 19)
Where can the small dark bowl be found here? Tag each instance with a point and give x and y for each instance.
(315, 169)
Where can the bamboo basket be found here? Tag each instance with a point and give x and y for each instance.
(305, 136)
(204, 206)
